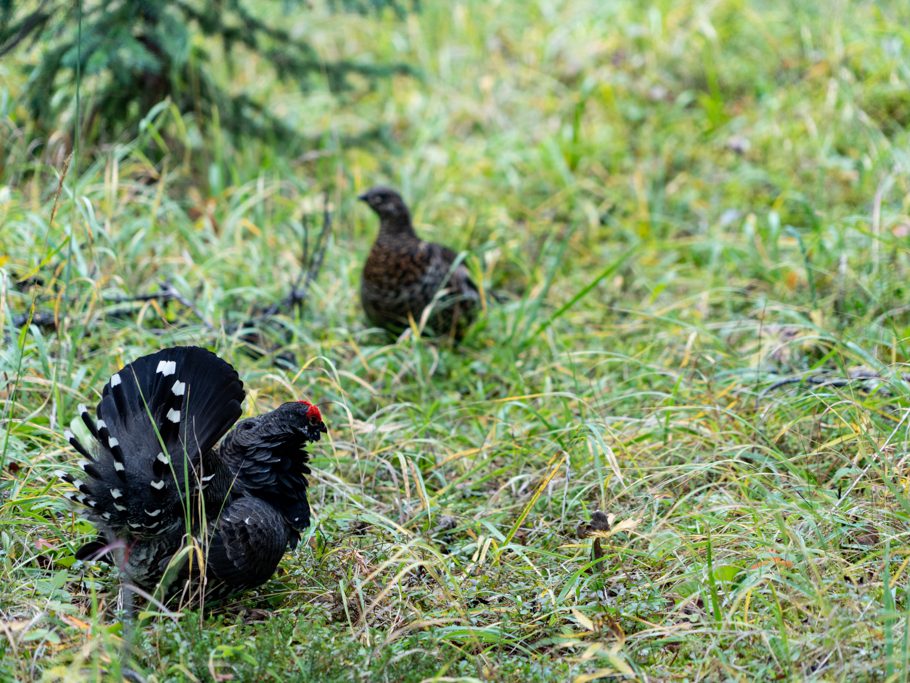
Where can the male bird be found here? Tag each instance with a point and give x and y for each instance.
(404, 275)
(156, 473)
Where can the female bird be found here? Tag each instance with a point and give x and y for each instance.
(406, 279)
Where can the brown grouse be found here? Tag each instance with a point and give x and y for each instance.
(156, 473)
(405, 278)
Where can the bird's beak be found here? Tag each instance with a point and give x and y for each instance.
(362, 197)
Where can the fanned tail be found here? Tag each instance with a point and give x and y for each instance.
(156, 418)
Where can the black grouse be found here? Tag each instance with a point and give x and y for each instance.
(405, 278)
(156, 476)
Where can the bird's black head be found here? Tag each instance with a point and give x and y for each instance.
(306, 417)
(387, 204)
(291, 424)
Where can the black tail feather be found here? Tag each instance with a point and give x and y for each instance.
(87, 419)
(75, 443)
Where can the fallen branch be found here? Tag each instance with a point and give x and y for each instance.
(310, 265)
(41, 320)
(167, 292)
(864, 378)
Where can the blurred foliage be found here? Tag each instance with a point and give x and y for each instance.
(129, 55)
(399, 7)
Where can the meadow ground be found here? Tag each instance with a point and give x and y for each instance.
(683, 203)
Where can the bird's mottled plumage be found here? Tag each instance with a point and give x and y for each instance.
(404, 275)
(156, 472)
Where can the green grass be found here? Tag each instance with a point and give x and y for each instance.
(683, 202)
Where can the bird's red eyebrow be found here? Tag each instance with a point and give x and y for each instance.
(312, 412)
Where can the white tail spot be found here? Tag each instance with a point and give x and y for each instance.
(101, 424)
(173, 415)
(116, 493)
(153, 513)
(119, 508)
(246, 521)
(179, 388)
(112, 442)
(162, 458)
(118, 466)
(207, 479)
(82, 408)
(115, 380)
(105, 515)
(157, 484)
(166, 367)
(68, 435)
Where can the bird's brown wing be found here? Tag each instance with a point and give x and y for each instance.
(459, 281)
(456, 308)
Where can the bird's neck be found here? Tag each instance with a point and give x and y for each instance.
(396, 226)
